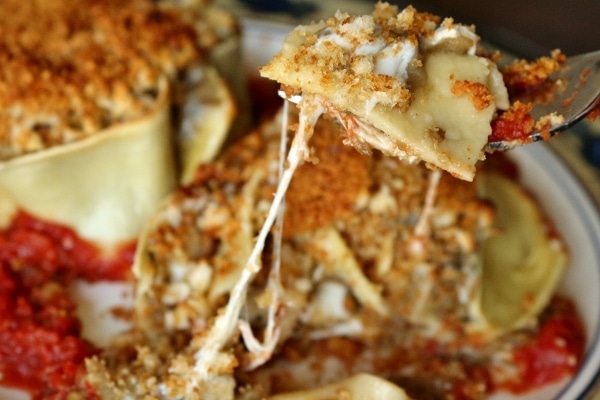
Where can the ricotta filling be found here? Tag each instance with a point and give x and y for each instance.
(394, 59)
(390, 59)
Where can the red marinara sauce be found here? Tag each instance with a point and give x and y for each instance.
(514, 123)
(41, 349)
(555, 353)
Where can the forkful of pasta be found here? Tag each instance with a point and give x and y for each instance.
(423, 89)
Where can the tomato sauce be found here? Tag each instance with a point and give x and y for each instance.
(53, 247)
(40, 345)
(555, 352)
(515, 123)
(41, 349)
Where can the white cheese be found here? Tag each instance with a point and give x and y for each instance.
(211, 355)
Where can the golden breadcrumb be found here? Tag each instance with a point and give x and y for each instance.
(72, 68)
(525, 75)
(478, 93)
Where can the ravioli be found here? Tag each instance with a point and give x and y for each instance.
(399, 81)
(522, 261)
(92, 122)
(104, 186)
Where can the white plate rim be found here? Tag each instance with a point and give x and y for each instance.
(573, 190)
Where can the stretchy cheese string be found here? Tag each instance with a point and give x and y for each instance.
(422, 226)
(209, 356)
(262, 352)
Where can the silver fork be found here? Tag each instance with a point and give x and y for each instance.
(579, 95)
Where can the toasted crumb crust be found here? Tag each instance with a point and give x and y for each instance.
(479, 94)
(523, 75)
(72, 68)
(353, 74)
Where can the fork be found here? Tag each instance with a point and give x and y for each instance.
(578, 96)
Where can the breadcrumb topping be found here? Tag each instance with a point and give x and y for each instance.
(73, 68)
(524, 75)
(479, 93)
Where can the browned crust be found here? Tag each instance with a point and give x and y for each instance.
(335, 69)
(71, 68)
(478, 93)
(522, 75)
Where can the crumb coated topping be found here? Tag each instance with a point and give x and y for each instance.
(523, 75)
(340, 169)
(478, 92)
(372, 57)
(71, 68)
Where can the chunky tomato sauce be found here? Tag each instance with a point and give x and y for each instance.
(527, 83)
(40, 345)
(553, 354)
(556, 351)
(515, 123)
(41, 349)
(58, 248)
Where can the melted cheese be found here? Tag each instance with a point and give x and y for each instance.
(211, 353)
(422, 227)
